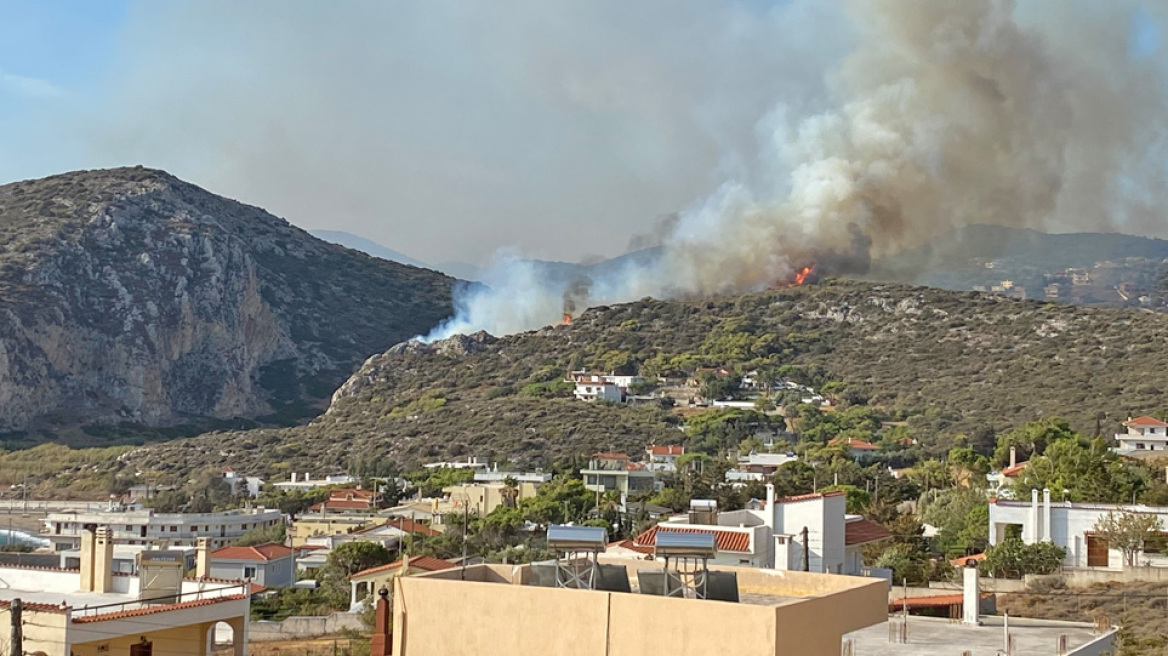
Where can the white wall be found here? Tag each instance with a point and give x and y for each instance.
(1069, 525)
(824, 519)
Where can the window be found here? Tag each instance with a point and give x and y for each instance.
(129, 527)
(1139, 445)
(249, 572)
(174, 529)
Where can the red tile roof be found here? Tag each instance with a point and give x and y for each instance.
(1010, 472)
(350, 493)
(342, 504)
(666, 450)
(424, 563)
(150, 610)
(938, 601)
(863, 531)
(410, 526)
(264, 552)
(809, 497)
(633, 546)
(725, 540)
(1149, 422)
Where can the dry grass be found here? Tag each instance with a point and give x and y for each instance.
(1140, 609)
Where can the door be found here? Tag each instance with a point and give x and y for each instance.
(1096, 551)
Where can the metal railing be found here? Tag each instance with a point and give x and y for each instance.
(165, 600)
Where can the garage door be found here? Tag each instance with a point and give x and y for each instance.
(1096, 551)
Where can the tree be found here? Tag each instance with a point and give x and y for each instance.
(353, 557)
(1032, 439)
(1127, 532)
(961, 516)
(1012, 558)
(1087, 470)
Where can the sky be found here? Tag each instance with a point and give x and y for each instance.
(446, 130)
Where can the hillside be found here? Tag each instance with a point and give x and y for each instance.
(130, 301)
(952, 363)
(366, 246)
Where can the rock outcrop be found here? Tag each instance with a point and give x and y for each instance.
(127, 295)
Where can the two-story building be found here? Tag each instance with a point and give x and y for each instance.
(663, 457)
(1143, 434)
(810, 531)
(608, 472)
(146, 527)
(596, 386)
(349, 501)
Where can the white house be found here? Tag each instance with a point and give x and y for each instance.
(243, 485)
(663, 458)
(1068, 525)
(774, 536)
(297, 484)
(588, 391)
(1143, 434)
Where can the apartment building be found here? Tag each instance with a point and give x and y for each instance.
(146, 527)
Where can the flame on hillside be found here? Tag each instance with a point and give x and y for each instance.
(567, 320)
(801, 277)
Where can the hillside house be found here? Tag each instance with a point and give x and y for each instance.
(596, 386)
(663, 458)
(296, 483)
(349, 501)
(1142, 434)
(146, 527)
(857, 449)
(1001, 480)
(1068, 525)
(249, 486)
(271, 565)
(607, 472)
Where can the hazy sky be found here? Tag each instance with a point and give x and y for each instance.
(445, 130)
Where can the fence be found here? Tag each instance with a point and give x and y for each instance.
(304, 627)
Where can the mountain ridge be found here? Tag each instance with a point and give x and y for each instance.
(128, 296)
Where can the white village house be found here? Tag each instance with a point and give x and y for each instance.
(595, 386)
(1068, 525)
(773, 536)
(1143, 434)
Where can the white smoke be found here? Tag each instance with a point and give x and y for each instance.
(948, 113)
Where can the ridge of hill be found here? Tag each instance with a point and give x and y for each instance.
(955, 364)
(132, 302)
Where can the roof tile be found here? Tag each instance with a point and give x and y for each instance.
(725, 540)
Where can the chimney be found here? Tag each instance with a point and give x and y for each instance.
(88, 543)
(1046, 515)
(380, 644)
(294, 475)
(103, 560)
(1013, 456)
(768, 517)
(970, 594)
(307, 477)
(1035, 534)
(203, 558)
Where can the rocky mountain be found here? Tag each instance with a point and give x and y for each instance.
(952, 364)
(128, 296)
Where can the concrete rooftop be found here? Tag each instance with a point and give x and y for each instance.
(930, 636)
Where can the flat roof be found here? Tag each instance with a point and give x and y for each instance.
(928, 636)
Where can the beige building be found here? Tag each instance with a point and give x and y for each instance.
(482, 498)
(96, 612)
(495, 611)
(310, 526)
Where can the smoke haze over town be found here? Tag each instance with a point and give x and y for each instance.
(747, 140)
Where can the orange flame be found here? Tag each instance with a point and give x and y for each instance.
(567, 319)
(801, 276)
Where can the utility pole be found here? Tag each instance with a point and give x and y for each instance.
(465, 522)
(17, 641)
(24, 493)
(806, 551)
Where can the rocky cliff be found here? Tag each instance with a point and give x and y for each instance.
(129, 296)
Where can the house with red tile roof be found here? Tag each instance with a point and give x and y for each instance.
(365, 584)
(271, 564)
(349, 501)
(773, 536)
(663, 457)
(857, 449)
(1143, 436)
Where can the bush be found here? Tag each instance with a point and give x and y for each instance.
(1013, 558)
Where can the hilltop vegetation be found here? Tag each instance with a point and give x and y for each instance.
(957, 368)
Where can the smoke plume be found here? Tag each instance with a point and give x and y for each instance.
(947, 113)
